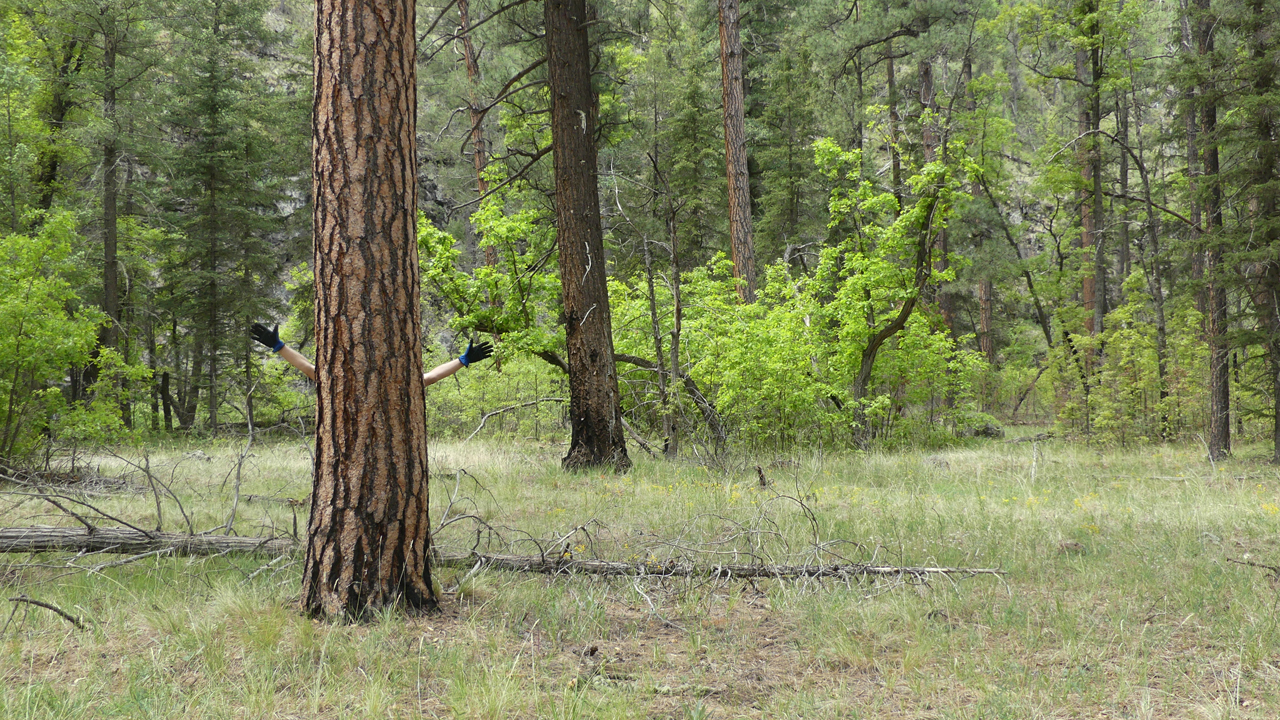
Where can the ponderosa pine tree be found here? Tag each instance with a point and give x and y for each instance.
(368, 540)
(741, 242)
(595, 411)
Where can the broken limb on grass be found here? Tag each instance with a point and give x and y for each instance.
(47, 606)
(131, 542)
(681, 568)
(125, 541)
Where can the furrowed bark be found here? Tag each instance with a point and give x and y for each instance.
(595, 409)
(368, 539)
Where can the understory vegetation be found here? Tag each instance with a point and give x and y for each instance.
(961, 215)
(1129, 590)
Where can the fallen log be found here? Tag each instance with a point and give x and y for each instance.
(133, 542)
(683, 568)
(126, 541)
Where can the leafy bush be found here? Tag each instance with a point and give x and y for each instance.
(41, 335)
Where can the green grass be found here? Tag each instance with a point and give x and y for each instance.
(1120, 599)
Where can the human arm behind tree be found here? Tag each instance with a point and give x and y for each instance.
(474, 353)
(271, 339)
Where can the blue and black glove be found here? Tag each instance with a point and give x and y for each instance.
(270, 338)
(476, 353)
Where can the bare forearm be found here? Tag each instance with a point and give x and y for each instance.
(295, 358)
(441, 372)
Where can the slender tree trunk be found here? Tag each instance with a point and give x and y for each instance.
(1189, 43)
(168, 402)
(1264, 118)
(594, 403)
(1096, 194)
(110, 333)
(1122, 249)
(735, 152)
(1219, 440)
(895, 159)
(670, 425)
(368, 540)
(1153, 267)
(479, 149)
(1088, 221)
(152, 362)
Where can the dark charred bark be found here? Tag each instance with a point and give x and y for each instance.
(368, 542)
(598, 437)
(735, 152)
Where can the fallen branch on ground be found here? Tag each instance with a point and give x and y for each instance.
(132, 542)
(48, 606)
(673, 568)
(125, 541)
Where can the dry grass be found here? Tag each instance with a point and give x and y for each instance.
(1120, 599)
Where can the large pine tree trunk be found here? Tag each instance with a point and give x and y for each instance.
(594, 404)
(735, 152)
(368, 539)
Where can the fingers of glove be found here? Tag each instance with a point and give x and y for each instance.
(269, 338)
(483, 351)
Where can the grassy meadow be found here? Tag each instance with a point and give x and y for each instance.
(1121, 598)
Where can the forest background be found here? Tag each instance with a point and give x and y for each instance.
(962, 215)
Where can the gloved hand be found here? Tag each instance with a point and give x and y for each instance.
(270, 338)
(476, 353)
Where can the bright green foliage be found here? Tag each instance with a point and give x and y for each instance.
(39, 338)
(785, 369)
(1126, 405)
(513, 299)
(20, 129)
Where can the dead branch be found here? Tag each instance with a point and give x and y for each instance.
(676, 568)
(133, 542)
(485, 418)
(124, 541)
(50, 606)
(1272, 569)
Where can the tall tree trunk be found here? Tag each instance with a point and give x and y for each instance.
(109, 336)
(479, 149)
(735, 152)
(1189, 43)
(1122, 246)
(930, 139)
(986, 287)
(152, 362)
(1264, 117)
(1095, 193)
(368, 541)
(1088, 220)
(594, 403)
(1219, 440)
(1154, 269)
(895, 159)
(669, 424)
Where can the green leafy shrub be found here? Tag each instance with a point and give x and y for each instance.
(40, 336)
